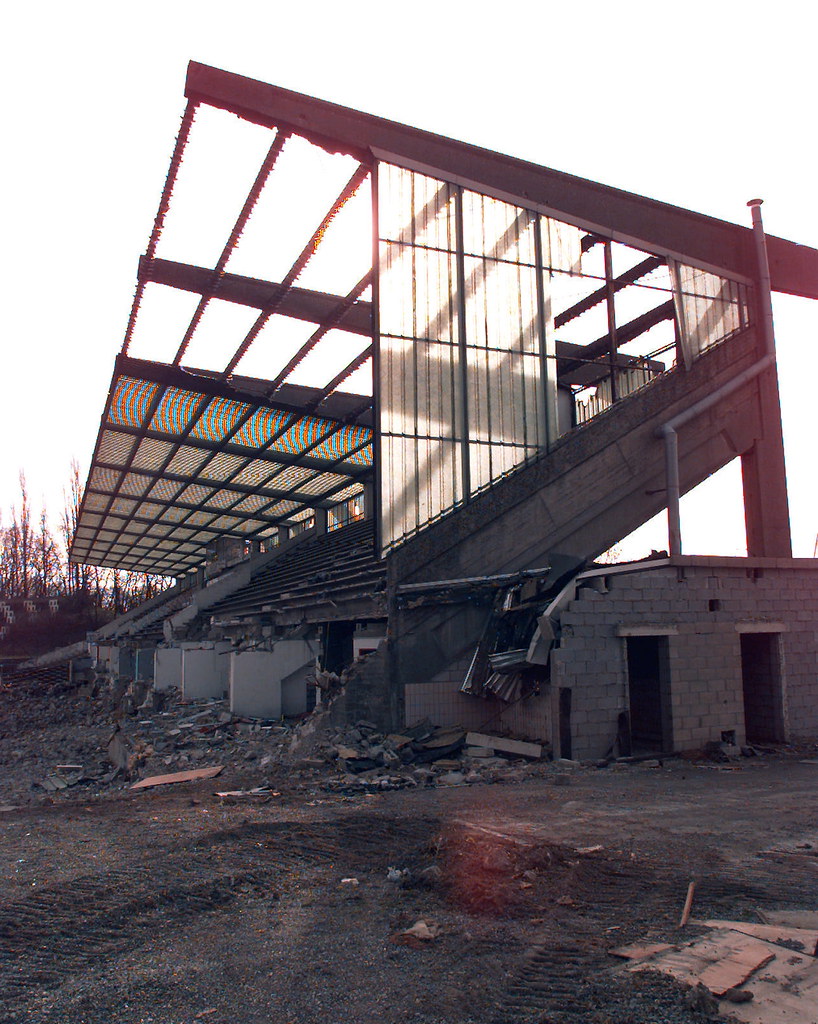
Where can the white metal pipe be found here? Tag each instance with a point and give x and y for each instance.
(669, 429)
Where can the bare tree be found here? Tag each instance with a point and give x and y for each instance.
(77, 577)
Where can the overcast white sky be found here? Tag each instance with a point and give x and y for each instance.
(704, 105)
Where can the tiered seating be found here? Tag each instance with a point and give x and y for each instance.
(317, 573)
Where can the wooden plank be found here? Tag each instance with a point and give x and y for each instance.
(792, 938)
(791, 918)
(735, 968)
(721, 960)
(190, 776)
(785, 991)
(507, 746)
(640, 952)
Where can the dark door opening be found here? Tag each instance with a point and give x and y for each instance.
(565, 722)
(761, 682)
(649, 693)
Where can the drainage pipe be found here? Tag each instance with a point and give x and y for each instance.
(669, 430)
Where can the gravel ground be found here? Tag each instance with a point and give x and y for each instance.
(169, 906)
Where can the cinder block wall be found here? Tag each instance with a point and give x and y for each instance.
(702, 605)
(441, 701)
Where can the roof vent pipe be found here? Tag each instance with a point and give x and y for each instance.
(765, 290)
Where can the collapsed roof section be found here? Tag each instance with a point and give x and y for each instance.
(397, 304)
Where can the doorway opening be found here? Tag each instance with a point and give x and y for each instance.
(761, 683)
(649, 694)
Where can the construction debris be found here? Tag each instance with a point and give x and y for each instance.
(507, 746)
(768, 973)
(691, 889)
(167, 780)
(800, 939)
(257, 795)
(420, 934)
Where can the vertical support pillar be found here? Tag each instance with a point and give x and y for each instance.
(674, 523)
(611, 310)
(463, 380)
(373, 491)
(764, 477)
(321, 520)
(548, 350)
(368, 497)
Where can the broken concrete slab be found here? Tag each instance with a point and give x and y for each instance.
(117, 751)
(518, 748)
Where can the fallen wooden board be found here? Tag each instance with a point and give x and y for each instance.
(639, 952)
(508, 746)
(720, 961)
(798, 939)
(166, 780)
(791, 918)
(785, 991)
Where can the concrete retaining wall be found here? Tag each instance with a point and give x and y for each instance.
(268, 684)
(205, 671)
(167, 668)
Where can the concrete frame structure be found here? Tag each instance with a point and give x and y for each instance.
(492, 492)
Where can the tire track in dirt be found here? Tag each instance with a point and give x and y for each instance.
(559, 980)
(60, 931)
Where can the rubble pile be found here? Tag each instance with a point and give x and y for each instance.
(365, 759)
(107, 734)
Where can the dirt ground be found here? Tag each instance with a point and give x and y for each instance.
(170, 906)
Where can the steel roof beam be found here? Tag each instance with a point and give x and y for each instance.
(628, 332)
(298, 303)
(251, 454)
(360, 175)
(618, 283)
(659, 227)
(345, 408)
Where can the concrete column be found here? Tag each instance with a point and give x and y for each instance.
(321, 520)
(764, 478)
(369, 499)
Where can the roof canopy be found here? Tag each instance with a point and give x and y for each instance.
(621, 215)
(183, 459)
(276, 420)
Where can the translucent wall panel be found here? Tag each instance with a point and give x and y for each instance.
(462, 399)
(420, 362)
(709, 308)
(493, 316)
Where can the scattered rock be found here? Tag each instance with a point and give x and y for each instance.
(738, 995)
